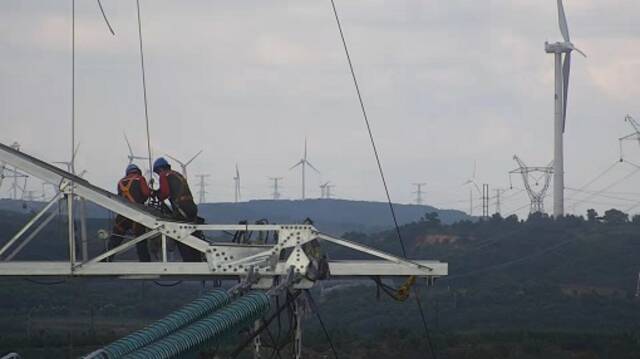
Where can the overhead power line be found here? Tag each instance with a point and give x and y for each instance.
(377, 157)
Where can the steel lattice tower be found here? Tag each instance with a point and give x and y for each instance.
(534, 175)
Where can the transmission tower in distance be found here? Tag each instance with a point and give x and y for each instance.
(202, 192)
(323, 190)
(418, 192)
(485, 200)
(499, 192)
(635, 136)
(536, 181)
(276, 191)
(236, 185)
(328, 190)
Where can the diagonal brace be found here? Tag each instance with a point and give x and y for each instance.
(31, 222)
(374, 252)
(123, 247)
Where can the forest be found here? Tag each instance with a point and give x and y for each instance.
(517, 288)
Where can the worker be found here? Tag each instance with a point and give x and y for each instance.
(174, 187)
(133, 187)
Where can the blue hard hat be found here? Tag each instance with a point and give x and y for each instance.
(160, 163)
(132, 168)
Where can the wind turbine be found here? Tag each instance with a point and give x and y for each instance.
(184, 165)
(303, 163)
(562, 53)
(132, 157)
(236, 180)
(70, 164)
(471, 182)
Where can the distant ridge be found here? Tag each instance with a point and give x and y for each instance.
(335, 215)
(331, 215)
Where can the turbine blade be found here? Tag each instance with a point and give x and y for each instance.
(175, 159)
(477, 187)
(296, 165)
(193, 158)
(562, 21)
(566, 72)
(310, 165)
(75, 152)
(578, 50)
(126, 139)
(305, 149)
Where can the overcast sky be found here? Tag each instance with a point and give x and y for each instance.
(446, 83)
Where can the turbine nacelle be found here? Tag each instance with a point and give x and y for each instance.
(561, 48)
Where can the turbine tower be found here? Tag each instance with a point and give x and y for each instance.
(562, 53)
(535, 176)
(471, 182)
(419, 192)
(631, 137)
(276, 192)
(236, 180)
(183, 165)
(303, 163)
(202, 192)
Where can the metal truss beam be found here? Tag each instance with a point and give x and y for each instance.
(223, 260)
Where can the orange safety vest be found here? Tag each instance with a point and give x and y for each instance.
(125, 189)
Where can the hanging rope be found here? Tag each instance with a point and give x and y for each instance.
(73, 89)
(106, 20)
(377, 156)
(316, 310)
(144, 90)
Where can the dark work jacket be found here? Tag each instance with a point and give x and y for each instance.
(174, 187)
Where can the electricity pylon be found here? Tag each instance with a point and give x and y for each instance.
(276, 192)
(236, 182)
(635, 136)
(540, 177)
(499, 192)
(419, 192)
(202, 192)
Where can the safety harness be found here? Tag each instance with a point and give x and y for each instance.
(124, 186)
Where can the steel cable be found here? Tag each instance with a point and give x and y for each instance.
(144, 91)
(380, 169)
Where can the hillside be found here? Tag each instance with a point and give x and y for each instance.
(330, 215)
(333, 215)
